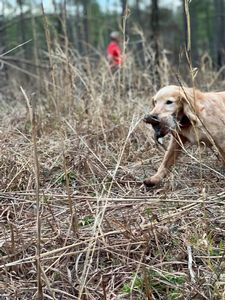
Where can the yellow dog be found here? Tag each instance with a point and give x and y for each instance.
(189, 115)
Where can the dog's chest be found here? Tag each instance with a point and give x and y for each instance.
(196, 135)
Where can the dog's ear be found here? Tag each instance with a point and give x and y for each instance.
(187, 100)
(190, 112)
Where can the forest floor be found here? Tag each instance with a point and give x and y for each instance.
(103, 235)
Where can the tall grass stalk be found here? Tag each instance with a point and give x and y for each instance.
(31, 110)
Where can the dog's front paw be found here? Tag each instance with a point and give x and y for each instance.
(152, 181)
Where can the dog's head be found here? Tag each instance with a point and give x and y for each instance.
(171, 110)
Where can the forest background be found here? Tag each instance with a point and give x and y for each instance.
(86, 25)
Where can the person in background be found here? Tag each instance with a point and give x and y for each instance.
(114, 53)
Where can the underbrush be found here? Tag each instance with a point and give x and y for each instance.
(103, 235)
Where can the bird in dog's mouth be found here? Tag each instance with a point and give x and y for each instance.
(163, 126)
(160, 128)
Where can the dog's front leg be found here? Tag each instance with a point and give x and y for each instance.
(169, 159)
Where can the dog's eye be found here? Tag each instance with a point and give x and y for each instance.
(169, 102)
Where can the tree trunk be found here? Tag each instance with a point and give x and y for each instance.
(125, 19)
(123, 7)
(85, 25)
(140, 47)
(138, 12)
(3, 43)
(22, 27)
(155, 40)
(219, 42)
(194, 32)
(78, 27)
(2, 26)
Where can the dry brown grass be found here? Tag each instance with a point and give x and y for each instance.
(103, 236)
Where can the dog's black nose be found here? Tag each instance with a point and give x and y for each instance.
(151, 119)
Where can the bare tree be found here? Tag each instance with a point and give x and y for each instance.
(22, 24)
(140, 47)
(155, 39)
(219, 29)
(85, 4)
(2, 32)
(82, 23)
(123, 6)
(194, 29)
(22, 29)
